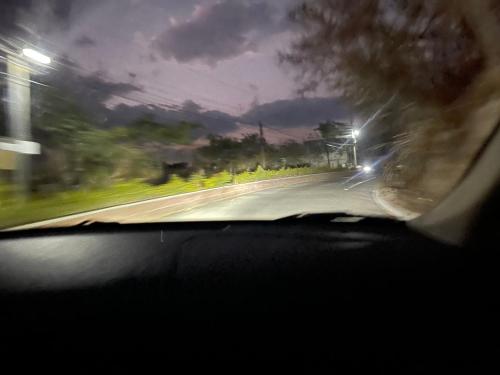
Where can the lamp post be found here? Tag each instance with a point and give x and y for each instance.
(19, 112)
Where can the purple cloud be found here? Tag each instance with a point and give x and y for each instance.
(221, 31)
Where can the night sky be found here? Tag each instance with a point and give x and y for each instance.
(217, 57)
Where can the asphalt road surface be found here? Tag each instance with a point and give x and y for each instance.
(350, 195)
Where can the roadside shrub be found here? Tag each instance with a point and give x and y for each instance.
(218, 180)
(41, 207)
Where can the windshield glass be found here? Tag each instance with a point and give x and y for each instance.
(187, 110)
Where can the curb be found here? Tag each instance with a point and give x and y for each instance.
(393, 210)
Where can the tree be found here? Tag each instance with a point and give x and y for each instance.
(291, 154)
(250, 148)
(428, 66)
(233, 154)
(223, 153)
(153, 138)
(73, 151)
(147, 130)
(369, 50)
(76, 152)
(332, 129)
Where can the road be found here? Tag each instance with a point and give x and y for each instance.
(335, 193)
(341, 195)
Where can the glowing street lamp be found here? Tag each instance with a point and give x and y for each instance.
(36, 56)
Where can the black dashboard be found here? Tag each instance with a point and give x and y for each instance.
(310, 287)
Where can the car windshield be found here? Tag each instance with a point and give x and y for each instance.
(187, 110)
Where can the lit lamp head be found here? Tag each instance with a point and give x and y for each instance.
(36, 56)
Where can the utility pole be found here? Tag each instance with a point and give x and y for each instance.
(328, 155)
(262, 146)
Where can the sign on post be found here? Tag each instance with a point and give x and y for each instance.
(21, 147)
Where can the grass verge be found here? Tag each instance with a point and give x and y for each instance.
(14, 212)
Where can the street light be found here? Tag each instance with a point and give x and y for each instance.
(19, 71)
(355, 133)
(36, 56)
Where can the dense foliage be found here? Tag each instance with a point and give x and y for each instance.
(78, 153)
(419, 73)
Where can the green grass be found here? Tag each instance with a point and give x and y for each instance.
(14, 212)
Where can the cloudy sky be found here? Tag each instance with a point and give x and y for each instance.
(211, 56)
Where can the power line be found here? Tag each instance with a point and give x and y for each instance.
(283, 133)
(182, 110)
(164, 98)
(150, 89)
(279, 131)
(23, 79)
(60, 62)
(192, 70)
(218, 80)
(176, 106)
(81, 68)
(172, 103)
(201, 97)
(161, 98)
(204, 115)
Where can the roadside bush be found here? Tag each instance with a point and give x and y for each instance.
(218, 180)
(41, 207)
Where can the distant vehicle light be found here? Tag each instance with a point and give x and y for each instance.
(367, 169)
(36, 56)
